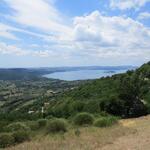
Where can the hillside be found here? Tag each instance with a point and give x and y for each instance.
(129, 134)
(125, 95)
(21, 94)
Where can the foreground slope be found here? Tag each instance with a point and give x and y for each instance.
(129, 134)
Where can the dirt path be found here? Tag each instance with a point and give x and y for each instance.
(138, 140)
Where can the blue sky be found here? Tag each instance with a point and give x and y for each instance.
(43, 33)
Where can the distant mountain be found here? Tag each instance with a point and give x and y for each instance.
(36, 73)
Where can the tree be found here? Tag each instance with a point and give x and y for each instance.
(130, 93)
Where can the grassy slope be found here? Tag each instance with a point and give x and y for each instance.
(131, 134)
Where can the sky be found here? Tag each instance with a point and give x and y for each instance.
(50, 33)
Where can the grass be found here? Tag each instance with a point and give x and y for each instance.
(131, 134)
(90, 138)
(105, 121)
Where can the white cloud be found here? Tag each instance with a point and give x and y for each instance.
(144, 15)
(5, 31)
(127, 4)
(110, 37)
(94, 36)
(14, 50)
(8, 49)
(11, 49)
(40, 14)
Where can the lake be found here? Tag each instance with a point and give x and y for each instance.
(83, 74)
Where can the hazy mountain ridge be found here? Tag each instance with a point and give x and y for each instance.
(36, 73)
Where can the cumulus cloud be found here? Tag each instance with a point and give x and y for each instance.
(104, 36)
(127, 4)
(96, 36)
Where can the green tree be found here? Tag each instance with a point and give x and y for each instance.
(130, 93)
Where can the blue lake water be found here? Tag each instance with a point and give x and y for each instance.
(83, 74)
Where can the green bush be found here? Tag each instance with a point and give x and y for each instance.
(57, 125)
(21, 136)
(3, 124)
(42, 123)
(17, 126)
(105, 121)
(49, 117)
(34, 125)
(83, 119)
(6, 140)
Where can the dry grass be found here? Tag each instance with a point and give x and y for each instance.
(90, 138)
(131, 134)
(138, 139)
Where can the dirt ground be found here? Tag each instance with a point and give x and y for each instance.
(139, 140)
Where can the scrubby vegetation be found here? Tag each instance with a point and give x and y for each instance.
(83, 119)
(130, 134)
(42, 123)
(6, 139)
(34, 125)
(17, 126)
(57, 125)
(105, 121)
(21, 136)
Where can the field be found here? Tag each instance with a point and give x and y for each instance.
(128, 134)
(18, 94)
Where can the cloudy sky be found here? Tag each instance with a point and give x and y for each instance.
(43, 33)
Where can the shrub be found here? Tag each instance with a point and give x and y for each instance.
(49, 117)
(21, 136)
(92, 107)
(57, 125)
(17, 127)
(105, 121)
(3, 124)
(83, 119)
(42, 123)
(6, 140)
(34, 125)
